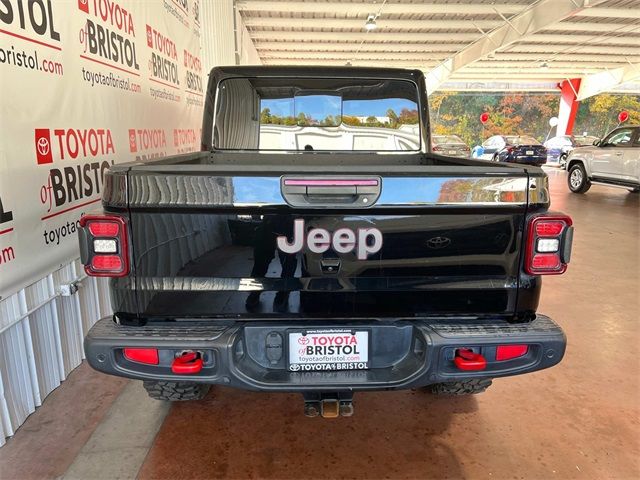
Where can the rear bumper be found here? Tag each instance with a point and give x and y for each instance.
(541, 160)
(404, 353)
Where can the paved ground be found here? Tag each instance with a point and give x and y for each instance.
(577, 420)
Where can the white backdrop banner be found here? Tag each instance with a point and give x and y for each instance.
(85, 84)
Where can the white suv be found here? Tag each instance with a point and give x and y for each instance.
(614, 160)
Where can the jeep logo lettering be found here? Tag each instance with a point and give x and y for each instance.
(344, 240)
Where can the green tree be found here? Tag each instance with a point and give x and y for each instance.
(393, 118)
(265, 116)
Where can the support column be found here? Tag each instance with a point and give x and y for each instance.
(219, 45)
(568, 105)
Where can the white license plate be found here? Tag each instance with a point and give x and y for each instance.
(452, 152)
(529, 152)
(328, 350)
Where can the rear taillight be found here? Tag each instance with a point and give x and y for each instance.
(436, 149)
(548, 249)
(103, 245)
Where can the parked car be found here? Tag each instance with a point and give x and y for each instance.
(327, 271)
(514, 149)
(558, 148)
(450, 145)
(614, 160)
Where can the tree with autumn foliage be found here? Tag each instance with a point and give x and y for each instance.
(458, 113)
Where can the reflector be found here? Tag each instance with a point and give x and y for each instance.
(507, 352)
(142, 355)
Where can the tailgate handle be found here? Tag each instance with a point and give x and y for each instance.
(331, 191)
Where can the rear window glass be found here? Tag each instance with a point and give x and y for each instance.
(522, 140)
(584, 141)
(439, 140)
(319, 114)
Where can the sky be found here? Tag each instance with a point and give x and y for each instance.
(316, 106)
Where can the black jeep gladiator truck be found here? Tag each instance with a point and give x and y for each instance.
(316, 245)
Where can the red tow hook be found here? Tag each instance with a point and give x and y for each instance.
(187, 364)
(466, 359)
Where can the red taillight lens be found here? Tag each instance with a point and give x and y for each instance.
(106, 263)
(436, 149)
(548, 244)
(549, 228)
(104, 229)
(507, 352)
(104, 243)
(545, 261)
(142, 355)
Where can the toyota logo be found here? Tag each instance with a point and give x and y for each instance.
(437, 243)
(303, 340)
(294, 367)
(43, 146)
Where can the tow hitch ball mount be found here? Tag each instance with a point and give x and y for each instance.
(328, 404)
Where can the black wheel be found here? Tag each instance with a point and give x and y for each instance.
(577, 179)
(495, 158)
(176, 391)
(464, 387)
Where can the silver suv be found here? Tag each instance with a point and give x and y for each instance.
(614, 160)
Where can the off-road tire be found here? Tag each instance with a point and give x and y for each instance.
(176, 391)
(465, 387)
(577, 179)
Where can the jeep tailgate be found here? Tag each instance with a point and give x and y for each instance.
(214, 241)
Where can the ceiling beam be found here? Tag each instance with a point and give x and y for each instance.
(542, 14)
(503, 61)
(358, 24)
(319, 37)
(551, 50)
(521, 51)
(390, 8)
(393, 8)
(608, 80)
(629, 12)
(350, 47)
(382, 53)
(500, 86)
(430, 24)
(516, 71)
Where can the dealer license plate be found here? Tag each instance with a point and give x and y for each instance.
(328, 350)
(452, 152)
(529, 152)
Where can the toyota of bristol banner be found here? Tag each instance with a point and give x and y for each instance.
(85, 84)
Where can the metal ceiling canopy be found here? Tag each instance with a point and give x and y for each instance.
(455, 41)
